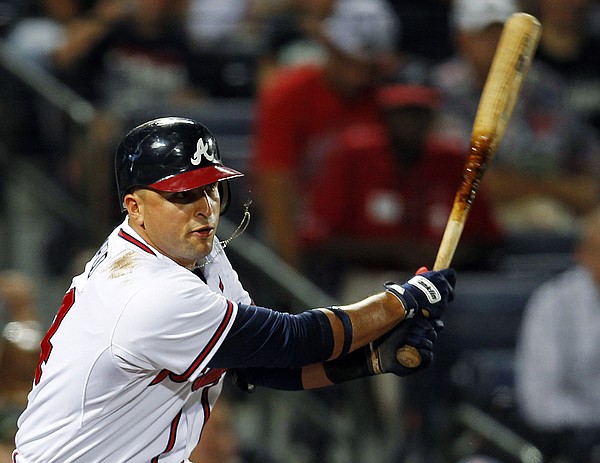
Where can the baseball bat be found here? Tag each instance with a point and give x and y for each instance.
(511, 62)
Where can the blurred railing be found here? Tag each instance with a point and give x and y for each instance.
(46, 85)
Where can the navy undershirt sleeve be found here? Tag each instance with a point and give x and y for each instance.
(287, 379)
(263, 337)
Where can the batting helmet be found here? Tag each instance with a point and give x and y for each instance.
(171, 154)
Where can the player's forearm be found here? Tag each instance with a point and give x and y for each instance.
(370, 318)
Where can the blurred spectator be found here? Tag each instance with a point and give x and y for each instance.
(569, 44)
(222, 22)
(290, 37)
(225, 36)
(391, 185)
(19, 352)
(545, 173)
(36, 35)
(125, 57)
(558, 355)
(221, 441)
(300, 115)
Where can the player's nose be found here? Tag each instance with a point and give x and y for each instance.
(204, 205)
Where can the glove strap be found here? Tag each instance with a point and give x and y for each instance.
(398, 291)
(375, 363)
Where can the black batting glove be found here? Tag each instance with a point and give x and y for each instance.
(418, 332)
(428, 292)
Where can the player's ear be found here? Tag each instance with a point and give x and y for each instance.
(131, 201)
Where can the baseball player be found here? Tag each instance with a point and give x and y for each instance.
(136, 355)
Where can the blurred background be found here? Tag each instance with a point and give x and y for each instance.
(351, 120)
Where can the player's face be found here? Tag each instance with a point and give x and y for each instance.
(180, 225)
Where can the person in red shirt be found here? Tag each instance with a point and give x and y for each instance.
(302, 112)
(391, 185)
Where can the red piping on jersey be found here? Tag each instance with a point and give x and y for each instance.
(206, 408)
(127, 237)
(205, 405)
(172, 437)
(202, 356)
(173, 432)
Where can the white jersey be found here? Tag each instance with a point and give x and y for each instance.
(123, 374)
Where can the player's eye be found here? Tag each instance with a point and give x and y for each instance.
(184, 197)
(212, 188)
(190, 196)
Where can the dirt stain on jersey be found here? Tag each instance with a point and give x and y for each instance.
(123, 265)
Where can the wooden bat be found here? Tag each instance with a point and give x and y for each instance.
(512, 60)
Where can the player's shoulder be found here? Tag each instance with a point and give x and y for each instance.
(125, 256)
(149, 287)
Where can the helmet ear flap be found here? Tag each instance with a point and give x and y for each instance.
(225, 195)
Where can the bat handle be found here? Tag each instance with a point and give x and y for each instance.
(408, 356)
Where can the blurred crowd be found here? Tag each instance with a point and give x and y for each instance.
(21, 333)
(360, 123)
(320, 74)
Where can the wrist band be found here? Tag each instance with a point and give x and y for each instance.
(347, 324)
(402, 295)
(352, 366)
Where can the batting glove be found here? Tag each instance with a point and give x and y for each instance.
(430, 292)
(418, 332)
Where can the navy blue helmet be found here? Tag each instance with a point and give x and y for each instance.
(171, 154)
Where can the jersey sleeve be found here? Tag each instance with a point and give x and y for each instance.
(176, 324)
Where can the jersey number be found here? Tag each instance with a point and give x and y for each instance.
(46, 345)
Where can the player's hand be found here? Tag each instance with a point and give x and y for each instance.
(418, 332)
(428, 292)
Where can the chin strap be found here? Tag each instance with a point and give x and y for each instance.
(241, 228)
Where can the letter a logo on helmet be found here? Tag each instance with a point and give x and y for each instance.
(171, 154)
(201, 152)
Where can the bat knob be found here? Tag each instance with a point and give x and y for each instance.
(408, 357)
